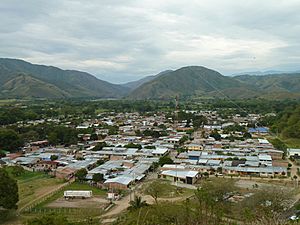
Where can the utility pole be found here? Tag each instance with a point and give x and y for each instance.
(176, 111)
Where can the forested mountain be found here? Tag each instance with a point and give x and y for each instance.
(191, 81)
(22, 79)
(287, 82)
(203, 82)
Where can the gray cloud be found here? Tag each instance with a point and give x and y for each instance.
(124, 40)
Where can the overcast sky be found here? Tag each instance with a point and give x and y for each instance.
(123, 40)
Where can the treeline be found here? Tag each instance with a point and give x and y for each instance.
(15, 114)
(13, 138)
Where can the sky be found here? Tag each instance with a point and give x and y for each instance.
(125, 40)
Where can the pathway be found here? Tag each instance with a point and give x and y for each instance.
(43, 196)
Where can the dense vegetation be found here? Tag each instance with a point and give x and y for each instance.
(53, 114)
(288, 123)
(209, 205)
(8, 191)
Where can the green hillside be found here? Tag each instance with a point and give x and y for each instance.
(25, 85)
(273, 83)
(67, 83)
(189, 81)
(20, 79)
(135, 84)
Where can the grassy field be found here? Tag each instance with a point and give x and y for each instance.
(71, 213)
(167, 190)
(74, 186)
(32, 185)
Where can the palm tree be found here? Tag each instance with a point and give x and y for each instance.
(137, 203)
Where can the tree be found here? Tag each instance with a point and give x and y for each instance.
(10, 140)
(211, 200)
(62, 135)
(50, 219)
(81, 174)
(266, 203)
(165, 160)
(132, 145)
(53, 139)
(199, 121)
(215, 134)
(98, 177)
(53, 157)
(8, 191)
(280, 145)
(17, 170)
(137, 203)
(100, 146)
(247, 135)
(2, 154)
(183, 139)
(154, 190)
(94, 137)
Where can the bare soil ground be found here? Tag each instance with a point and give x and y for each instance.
(94, 202)
(249, 184)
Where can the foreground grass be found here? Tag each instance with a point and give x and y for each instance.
(74, 214)
(32, 185)
(167, 190)
(74, 186)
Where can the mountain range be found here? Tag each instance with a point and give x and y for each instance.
(21, 79)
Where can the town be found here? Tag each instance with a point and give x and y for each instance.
(119, 153)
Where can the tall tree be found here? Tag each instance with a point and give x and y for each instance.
(98, 177)
(8, 191)
(137, 203)
(81, 174)
(10, 140)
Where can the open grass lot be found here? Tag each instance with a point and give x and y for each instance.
(99, 193)
(76, 209)
(167, 190)
(32, 185)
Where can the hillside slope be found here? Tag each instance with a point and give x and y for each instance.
(135, 84)
(189, 81)
(288, 82)
(68, 83)
(24, 85)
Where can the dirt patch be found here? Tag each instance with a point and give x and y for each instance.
(79, 203)
(248, 184)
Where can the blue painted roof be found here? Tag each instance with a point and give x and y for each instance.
(258, 130)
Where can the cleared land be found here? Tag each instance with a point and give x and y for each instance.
(33, 185)
(58, 196)
(93, 202)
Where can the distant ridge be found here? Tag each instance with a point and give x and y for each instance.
(22, 79)
(188, 81)
(275, 83)
(135, 84)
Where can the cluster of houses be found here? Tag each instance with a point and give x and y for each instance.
(121, 166)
